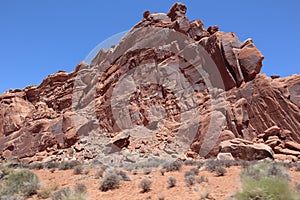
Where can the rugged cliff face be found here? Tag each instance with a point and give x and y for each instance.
(170, 87)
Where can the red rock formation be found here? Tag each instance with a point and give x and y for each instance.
(170, 86)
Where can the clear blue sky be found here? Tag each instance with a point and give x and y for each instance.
(38, 38)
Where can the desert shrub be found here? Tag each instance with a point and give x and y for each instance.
(110, 181)
(78, 170)
(220, 171)
(264, 181)
(80, 188)
(124, 176)
(145, 185)
(210, 165)
(45, 192)
(68, 194)
(266, 170)
(20, 182)
(200, 164)
(162, 172)
(99, 174)
(297, 186)
(229, 163)
(171, 182)
(4, 172)
(190, 162)
(150, 163)
(204, 195)
(60, 194)
(172, 166)
(276, 170)
(1, 174)
(64, 165)
(244, 163)
(135, 172)
(189, 173)
(286, 164)
(52, 170)
(297, 166)
(192, 172)
(14, 164)
(202, 179)
(195, 171)
(51, 165)
(85, 171)
(147, 171)
(190, 180)
(12, 197)
(36, 166)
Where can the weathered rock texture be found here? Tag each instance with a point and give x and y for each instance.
(147, 95)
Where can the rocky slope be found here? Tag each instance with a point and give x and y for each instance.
(170, 87)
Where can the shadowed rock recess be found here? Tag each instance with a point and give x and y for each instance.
(170, 87)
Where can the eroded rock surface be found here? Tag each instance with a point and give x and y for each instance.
(174, 86)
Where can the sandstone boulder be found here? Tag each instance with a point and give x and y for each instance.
(244, 150)
(293, 145)
(118, 142)
(178, 10)
(250, 59)
(225, 156)
(272, 131)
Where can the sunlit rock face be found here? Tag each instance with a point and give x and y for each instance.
(170, 87)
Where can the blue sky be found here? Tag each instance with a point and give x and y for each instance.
(38, 38)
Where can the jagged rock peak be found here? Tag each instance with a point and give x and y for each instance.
(236, 61)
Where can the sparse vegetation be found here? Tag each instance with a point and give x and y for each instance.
(78, 170)
(204, 195)
(14, 164)
(51, 165)
(210, 165)
(220, 171)
(80, 188)
(171, 182)
(60, 194)
(68, 164)
(85, 171)
(195, 171)
(147, 171)
(36, 166)
(190, 162)
(297, 186)
(68, 194)
(297, 166)
(172, 166)
(192, 172)
(45, 192)
(124, 176)
(265, 181)
(135, 172)
(145, 185)
(19, 181)
(12, 197)
(202, 179)
(99, 174)
(190, 180)
(110, 181)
